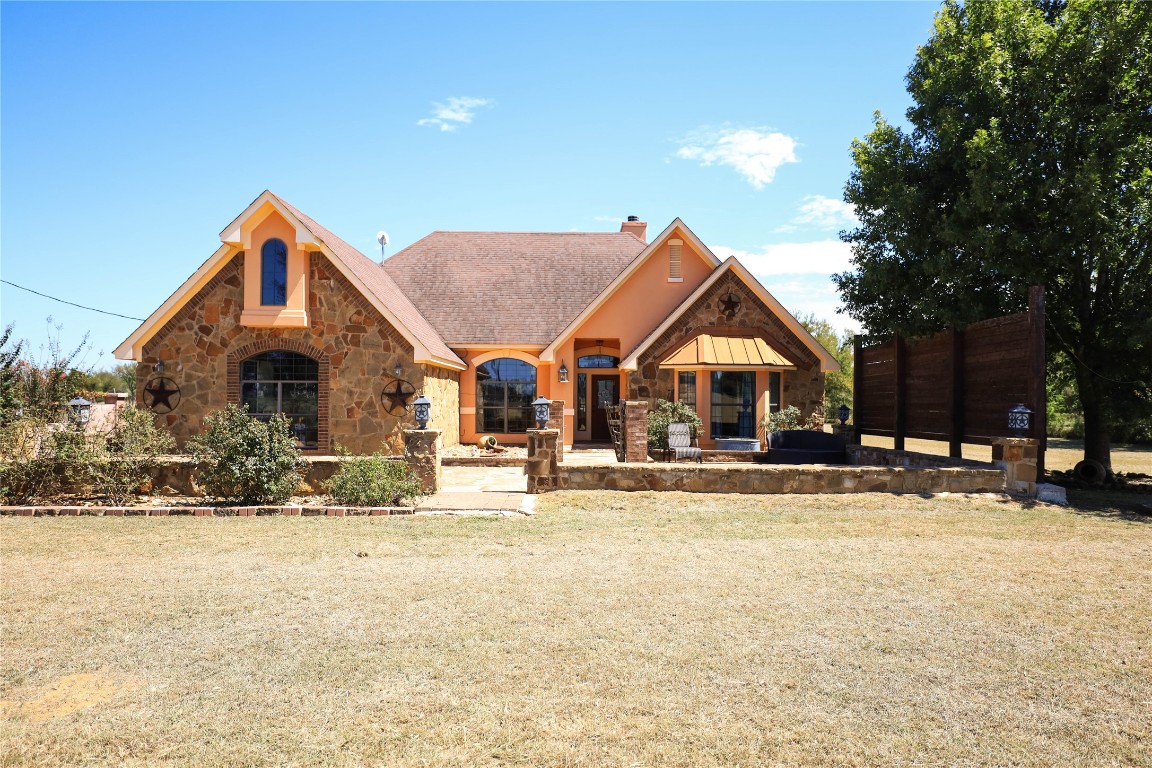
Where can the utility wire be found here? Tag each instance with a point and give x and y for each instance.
(71, 303)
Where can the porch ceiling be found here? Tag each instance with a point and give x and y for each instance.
(707, 351)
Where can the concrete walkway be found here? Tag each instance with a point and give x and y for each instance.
(480, 491)
(496, 490)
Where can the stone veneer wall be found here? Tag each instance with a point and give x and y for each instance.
(803, 388)
(203, 344)
(442, 387)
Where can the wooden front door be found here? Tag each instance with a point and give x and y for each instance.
(605, 392)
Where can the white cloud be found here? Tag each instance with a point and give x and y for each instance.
(819, 212)
(755, 154)
(457, 111)
(821, 257)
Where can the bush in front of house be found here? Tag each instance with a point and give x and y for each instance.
(373, 481)
(245, 460)
(667, 413)
(129, 451)
(785, 418)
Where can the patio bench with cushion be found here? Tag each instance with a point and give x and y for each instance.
(805, 446)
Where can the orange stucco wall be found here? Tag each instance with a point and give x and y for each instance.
(642, 303)
(294, 312)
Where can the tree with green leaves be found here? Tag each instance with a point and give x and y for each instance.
(837, 385)
(1027, 160)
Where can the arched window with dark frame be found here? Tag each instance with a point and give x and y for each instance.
(283, 382)
(505, 389)
(274, 273)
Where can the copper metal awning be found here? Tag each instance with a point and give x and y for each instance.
(707, 351)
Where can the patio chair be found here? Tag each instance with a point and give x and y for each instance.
(682, 443)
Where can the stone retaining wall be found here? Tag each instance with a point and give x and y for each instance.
(769, 478)
(867, 455)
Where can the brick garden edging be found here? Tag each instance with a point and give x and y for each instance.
(285, 511)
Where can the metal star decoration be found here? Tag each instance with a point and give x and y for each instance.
(160, 394)
(397, 393)
(730, 304)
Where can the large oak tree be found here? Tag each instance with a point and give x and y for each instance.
(1027, 160)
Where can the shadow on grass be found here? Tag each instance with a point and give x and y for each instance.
(1112, 505)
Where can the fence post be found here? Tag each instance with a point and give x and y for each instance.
(956, 436)
(901, 388)
(1037, 375)
(857, 386)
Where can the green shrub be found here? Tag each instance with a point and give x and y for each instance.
(130, 449)
(785, 418)
(373, 481)
(670, 413)
(245, 460)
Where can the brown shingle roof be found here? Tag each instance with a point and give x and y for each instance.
(378, 281)
(508, 287)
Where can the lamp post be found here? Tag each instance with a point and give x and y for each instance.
(422, 408)
(79, 412)
(543, 407)
(1020, 419)
(842, 413)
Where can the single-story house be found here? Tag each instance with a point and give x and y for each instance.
(287, 317)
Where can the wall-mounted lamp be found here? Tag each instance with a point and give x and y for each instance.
(159, 367)
(563, 373)
(422, 409)
(397, 370)
(543, 407)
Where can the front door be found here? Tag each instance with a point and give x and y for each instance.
(605, 392)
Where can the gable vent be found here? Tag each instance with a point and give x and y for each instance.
(674, 249)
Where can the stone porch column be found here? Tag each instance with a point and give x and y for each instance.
(635, 427)
(422, 452)
(543, 474)
(556, 422)
(1017, 456)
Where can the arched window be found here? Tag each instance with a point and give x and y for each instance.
(597, 361)
(274, 273)
(505, 389)
(283, 382)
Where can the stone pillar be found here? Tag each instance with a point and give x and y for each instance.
(1017, 457)
(422, 452)
(847, 432)
(543, 474)
(556, 422)
(635, 427)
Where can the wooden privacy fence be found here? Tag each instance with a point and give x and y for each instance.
(957, 385)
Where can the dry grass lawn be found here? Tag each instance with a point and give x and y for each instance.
(611, 629)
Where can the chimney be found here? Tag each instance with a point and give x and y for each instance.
(636, 227)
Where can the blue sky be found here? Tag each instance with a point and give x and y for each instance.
(132, 133)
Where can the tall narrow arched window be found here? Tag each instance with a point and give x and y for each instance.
(283, 382)
(505, 389)
(274, 273)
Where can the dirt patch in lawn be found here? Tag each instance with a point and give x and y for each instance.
(68, 694)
